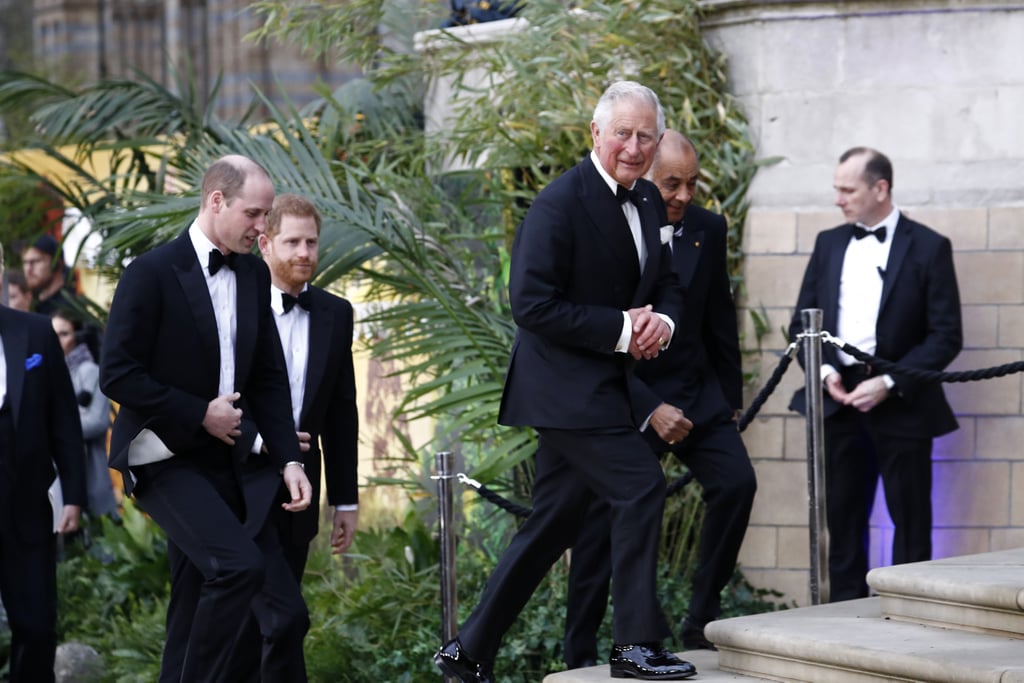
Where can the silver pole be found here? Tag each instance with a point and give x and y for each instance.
(445, 464)
(812, 318)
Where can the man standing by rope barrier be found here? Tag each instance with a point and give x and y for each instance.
(886, 285)
(695, 386)
(590, 286)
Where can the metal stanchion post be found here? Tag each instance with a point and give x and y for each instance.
(812, 318)
(445, 464)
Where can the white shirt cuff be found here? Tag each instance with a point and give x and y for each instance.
(257, 443)
(622, 346)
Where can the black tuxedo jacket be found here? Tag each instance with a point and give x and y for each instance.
(918, 322)
(574, 270)
(701, 371)
(47, 429)
(329, 410)
(161, 359)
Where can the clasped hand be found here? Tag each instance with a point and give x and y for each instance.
(650, 333)
(863, 397)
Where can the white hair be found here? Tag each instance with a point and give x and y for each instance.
(627, 90)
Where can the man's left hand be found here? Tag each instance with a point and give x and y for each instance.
(650, 333)
(69, 518)
(344, 530)
(298, 487)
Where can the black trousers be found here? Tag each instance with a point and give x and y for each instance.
(218, 572)
(718, 459)
(855, 456)
(28, 577)
(572, 468)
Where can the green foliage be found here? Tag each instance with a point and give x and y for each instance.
(113, 596)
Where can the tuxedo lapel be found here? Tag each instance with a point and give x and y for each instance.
(197, 295)
(246, 317)
(606, 216)
(686, 253)
(321, 334)
(15, 339)
(901, 241)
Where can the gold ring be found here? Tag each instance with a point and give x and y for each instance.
(661, 341)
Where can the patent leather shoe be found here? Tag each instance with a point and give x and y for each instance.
(648, 662)
(453, 661)
(693, 637)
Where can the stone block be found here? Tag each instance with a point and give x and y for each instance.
(781, 493)
(999, 438)
(953, 542)
(1006, 227)
(810, 223)
(773, 281)
(959, 444)
(981, 326)
(1006, 539)
(971, 494)
(974, 274)
(997, 396)
(760, 547)
(1017, 503)
(796, 438)
(778, 402)
(793, 584)
(764, 439)
(769, 232)
(967, 228)
(794, 547)
(1010, 326)
(775, 321)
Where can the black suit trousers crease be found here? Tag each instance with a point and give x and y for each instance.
(218, 571)
(716, 455)
(855, 456)
(573, 467)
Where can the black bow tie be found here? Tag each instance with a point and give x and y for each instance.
(860, 233)
(622, 194)
(218, 260)
(289, 301)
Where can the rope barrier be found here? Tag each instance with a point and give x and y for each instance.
(767, 390)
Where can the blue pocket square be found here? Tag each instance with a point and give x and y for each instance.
(33, 361)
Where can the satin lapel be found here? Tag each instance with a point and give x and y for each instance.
(833, 276)
(197, 294)
(321, 332)
(246, 318)
(901, 241)
(606, 215)
(686, 253)
(650, 230)
(16, 352)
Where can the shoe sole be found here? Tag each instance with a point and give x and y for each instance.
(629, 674)
(442, 664)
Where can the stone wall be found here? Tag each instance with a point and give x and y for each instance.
(938, 86)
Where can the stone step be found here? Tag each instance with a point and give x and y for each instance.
(706, 662)
(850, 642)
(983, 593)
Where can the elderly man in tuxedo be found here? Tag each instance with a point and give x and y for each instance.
(191, 352)
(886, 284)
(687, 399)
(593, 295)
(39, 430)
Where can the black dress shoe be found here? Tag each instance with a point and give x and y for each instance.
(453, 661)
(648, 662)
(693, 637)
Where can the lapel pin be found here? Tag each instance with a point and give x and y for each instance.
(32, 361)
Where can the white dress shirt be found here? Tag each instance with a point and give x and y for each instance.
(860, 290)
(632, 215)
(3, 373)
(293, 328)
(223, 293)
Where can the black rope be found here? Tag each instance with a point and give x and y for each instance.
(928, 375)
(503, 503)
(767, 389)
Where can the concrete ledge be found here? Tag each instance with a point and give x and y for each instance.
(849, 642)
(982, 593)
(706, 662)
